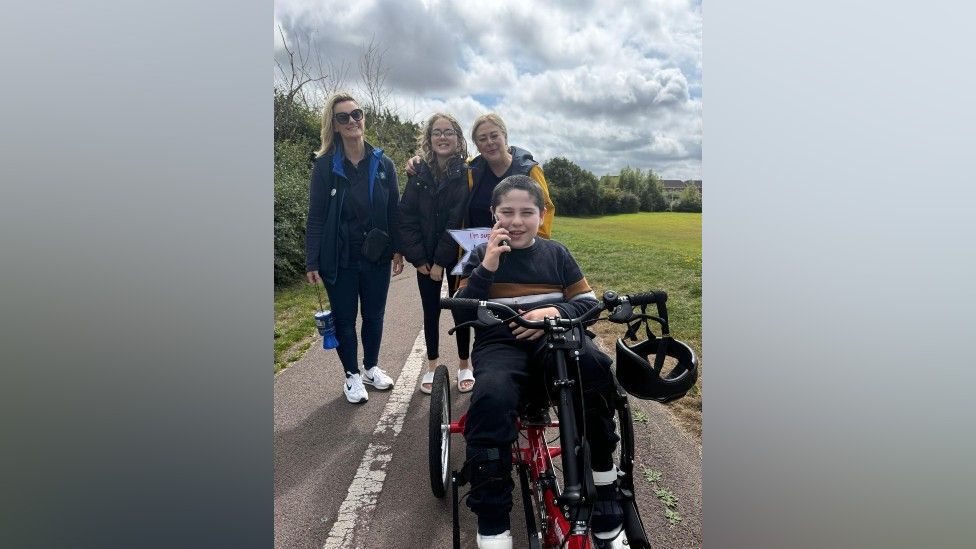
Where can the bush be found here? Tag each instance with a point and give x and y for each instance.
(293, 121)
(627, 202)
(689, 200)
(292, 171)
(564, 199)
(573, 190)
(609, 200)
(397, 138)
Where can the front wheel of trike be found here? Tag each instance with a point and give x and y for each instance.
(439, 433)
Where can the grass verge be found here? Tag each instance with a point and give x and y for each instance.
(294, 324)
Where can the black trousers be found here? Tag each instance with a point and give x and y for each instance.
(430, 294)
(506, 372)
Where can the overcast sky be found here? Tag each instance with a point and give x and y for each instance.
(604, 83)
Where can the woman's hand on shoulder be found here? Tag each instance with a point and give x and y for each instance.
(413, 165)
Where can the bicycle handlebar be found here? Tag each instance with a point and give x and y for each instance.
(459, 303)
(648, 298)
(610, 301)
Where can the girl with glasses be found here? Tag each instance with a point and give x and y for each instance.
(432, 204)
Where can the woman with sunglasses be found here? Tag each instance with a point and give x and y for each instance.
(350, 238)
(432, 204)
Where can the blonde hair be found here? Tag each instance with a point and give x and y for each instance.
(494, 119)
(328, 122)
(423, 141)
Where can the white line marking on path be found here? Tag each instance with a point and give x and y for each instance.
(368, 483)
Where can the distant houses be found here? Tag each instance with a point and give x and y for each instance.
(673, 188)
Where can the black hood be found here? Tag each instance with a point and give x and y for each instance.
(522, 162)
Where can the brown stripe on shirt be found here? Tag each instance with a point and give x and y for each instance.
(577, 288)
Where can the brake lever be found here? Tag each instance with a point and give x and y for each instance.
(487, 318)
(463, 325)
(622, 313)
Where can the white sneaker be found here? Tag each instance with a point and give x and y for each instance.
(498, 541)
(353, 387)
(377, 378)
(618, 542)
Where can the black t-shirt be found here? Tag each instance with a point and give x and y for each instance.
(479, 209)
(356, 207)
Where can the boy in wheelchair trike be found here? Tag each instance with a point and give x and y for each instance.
(540, 279)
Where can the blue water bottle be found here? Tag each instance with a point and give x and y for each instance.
(326, 327)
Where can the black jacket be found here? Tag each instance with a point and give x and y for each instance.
(427, 210)
(327, 190)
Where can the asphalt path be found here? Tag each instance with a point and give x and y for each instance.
(355, 476)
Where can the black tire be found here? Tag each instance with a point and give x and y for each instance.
(439, 433)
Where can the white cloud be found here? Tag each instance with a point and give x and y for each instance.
(605, 84)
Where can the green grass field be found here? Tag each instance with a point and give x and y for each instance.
(632, 253)
(646, 251)
(627, 253)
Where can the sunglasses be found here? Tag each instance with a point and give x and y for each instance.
(343, 117)
(445, 133)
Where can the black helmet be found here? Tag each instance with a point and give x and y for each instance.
(639, 378)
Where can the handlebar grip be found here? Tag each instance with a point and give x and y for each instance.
(459, 303)
(647, 298)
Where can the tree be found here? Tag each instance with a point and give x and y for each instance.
(609, 200)
(652, 195)
(300, 86)
(373, 71)
(631, 180)
(627, 202)
(397, 138)
(573, 190)
(564, 173)
(689, 200)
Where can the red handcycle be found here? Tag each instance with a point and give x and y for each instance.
(558, 510)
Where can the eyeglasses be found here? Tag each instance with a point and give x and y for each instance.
(445, 133)
(343, 117)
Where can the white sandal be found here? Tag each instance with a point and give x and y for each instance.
(429, 380)
(465, 374)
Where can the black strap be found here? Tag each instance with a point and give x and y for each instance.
(319, 288)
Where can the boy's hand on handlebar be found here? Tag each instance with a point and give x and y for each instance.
(495, 249)
(535, 314)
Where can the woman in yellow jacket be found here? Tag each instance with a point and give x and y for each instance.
(496, 162)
